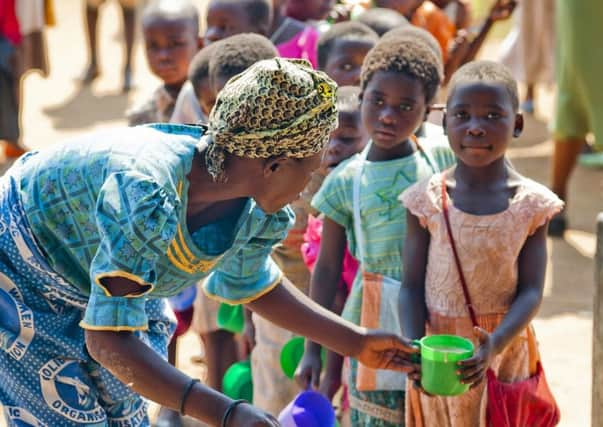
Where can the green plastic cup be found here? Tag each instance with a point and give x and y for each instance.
(231, 318)
(237, 382)
(292, 353)
(439, 357)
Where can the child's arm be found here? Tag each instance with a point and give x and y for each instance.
(331, 381)
(532, 268)
(323, 286)
(412, 309)
(463, 50)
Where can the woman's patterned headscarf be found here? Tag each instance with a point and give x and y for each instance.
(276, 107)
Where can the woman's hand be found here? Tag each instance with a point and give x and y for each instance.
(473, 370)
(246, 415)
(308, 371)
(383, 350)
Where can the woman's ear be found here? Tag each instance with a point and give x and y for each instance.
(518, 125)
(274, 165)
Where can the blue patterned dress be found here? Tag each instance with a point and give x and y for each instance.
(111, 204)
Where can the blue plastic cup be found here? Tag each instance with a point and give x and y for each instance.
(308, 409)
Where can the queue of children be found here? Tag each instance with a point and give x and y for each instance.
(371, 215)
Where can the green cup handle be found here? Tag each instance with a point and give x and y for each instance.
(416, 358)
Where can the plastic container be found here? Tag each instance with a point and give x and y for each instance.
(439, 357)
(292, 353)
(237, 382)
(308, 409)
(231, 318)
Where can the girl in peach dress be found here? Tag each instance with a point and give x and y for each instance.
(499, 221)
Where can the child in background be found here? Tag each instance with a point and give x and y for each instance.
(196, 98)
(498, 221)
(227, 18)
(171, 37)
(400, 77)
(382, 20)
(293, 38)
(341, 51)
(224, 18)
(458, 47)
(348, 139)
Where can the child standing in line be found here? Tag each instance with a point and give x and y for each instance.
(342, 49)
(499, 222)
(224, 18)
(400, 77)
(171, 37)
(348, 139)
(293, 38)
(196, 98)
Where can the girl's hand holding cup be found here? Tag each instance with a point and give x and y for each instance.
(473, 370)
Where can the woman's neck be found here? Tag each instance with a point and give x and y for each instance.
(380, 154)
(482, 178)
(204, 191)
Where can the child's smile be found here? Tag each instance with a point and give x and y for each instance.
(481, 122)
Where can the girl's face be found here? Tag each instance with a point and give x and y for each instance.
(393, 107)
(225, 20)
(348, 139)
(345, 61)
(283, 181)
(170, 46)
(481, 121)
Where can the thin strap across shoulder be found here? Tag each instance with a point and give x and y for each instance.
(457, 260)
(356, 191)
(533, 356)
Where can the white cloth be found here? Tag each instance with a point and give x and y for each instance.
(187, 109)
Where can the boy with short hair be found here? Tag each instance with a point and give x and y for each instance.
(171, 36)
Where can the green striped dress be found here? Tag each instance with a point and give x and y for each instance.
(384, 228)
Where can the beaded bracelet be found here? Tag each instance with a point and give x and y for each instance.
(185, 393)
(230, 409)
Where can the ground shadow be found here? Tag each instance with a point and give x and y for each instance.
(84, 108)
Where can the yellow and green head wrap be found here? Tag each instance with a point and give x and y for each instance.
(276, 107)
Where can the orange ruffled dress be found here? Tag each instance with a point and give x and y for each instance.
(489, 247)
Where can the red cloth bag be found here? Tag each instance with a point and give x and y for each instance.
(527, 403)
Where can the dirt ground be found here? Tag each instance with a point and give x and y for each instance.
(57, 108)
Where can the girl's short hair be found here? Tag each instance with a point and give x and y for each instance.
(407, 54)
(488, 72)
